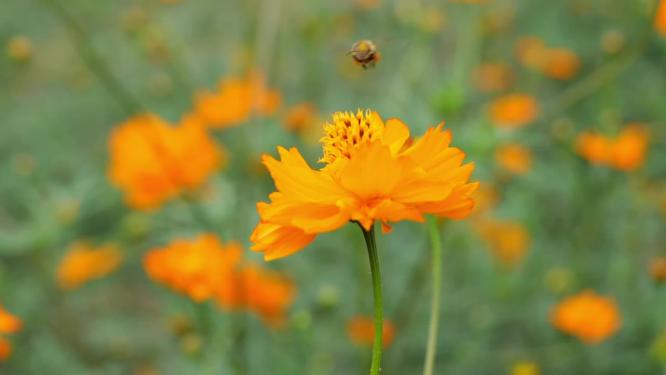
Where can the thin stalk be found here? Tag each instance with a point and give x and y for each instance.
(431, 349)
(369, 236)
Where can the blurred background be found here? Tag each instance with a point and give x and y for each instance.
(560, 105)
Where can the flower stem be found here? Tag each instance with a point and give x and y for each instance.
(431, 349)
(369, 236)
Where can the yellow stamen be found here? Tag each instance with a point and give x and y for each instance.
(347, 132)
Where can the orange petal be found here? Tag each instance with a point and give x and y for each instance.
(277, 241)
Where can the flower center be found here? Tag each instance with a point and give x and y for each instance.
(347, 132)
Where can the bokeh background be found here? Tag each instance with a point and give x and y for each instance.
(552, 220)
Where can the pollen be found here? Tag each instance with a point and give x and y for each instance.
(347, 132)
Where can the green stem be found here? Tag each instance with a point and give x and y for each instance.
(369, 236)
(431, 349)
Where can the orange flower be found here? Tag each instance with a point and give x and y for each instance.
(197, 268)
(557, 63)
(531, 52)
(153, 162)
(658, 269)
(594, 147)
(83, 263)
(513, 111)
(660, 19)
(561, 63)
(205, 269)
(514, 158)
(5, 349)
(300, 117)
(630, 148)
(588, 316)
(361, 330)
(525, 368)
(369, 174)
(236, 100)
(269, 294)
(491, 77)
(508, 240)
(9, 323)
(626, 152)
(485, 199)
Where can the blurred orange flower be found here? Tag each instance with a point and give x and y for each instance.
(658, 269)
(369, 174)
(561, 63)
(557, 63)
(508, 240)
(300, 118)
(205, 269)
(153, 162)
(588, 316)
(513, 110)
(83, 263)
(491, 77)
(660, 18)
(196, 268)
(514, 158)
(485, 199)
(361, 330)
(626, 152)
(9, 324)
(236, 101)
(268, 293)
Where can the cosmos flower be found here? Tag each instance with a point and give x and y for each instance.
(205, 269)
(658, 269)
(492, 77)
(361, 330)
(267, 293)
(9, 324)
(372, 172)
(236, 101)
(514, 158)
(660, 19)
(196, 268)
(508, 240)
(590, 317)
(556, 63)
(83, 263)
(513, 111)
(626, 152)
(152, 162)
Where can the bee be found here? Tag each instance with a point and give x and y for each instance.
(365, 53)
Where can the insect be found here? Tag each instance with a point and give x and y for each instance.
(365, 53)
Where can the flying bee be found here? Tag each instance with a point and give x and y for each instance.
(365, 53)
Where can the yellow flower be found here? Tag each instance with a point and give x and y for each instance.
(83, 263)
(153, 162)
(371, 173)
(588, 316)
(513, 111)
(525, 368)
(514, 158)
